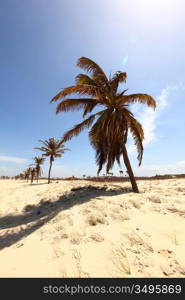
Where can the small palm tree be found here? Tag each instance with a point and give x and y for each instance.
(109, 133)
(20, 176)
(38, 162)
(109, 173)
(33, 171)
(27, 173)
(121, 172)
(52, 148)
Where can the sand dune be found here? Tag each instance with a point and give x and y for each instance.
(83, 229)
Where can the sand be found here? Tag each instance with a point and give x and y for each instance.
(86, 229)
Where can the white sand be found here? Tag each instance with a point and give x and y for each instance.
(92, 232)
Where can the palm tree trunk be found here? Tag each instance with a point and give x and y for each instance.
(51, 161)
(129, 170)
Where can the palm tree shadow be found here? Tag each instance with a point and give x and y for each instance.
(12, 236)
(35, 216)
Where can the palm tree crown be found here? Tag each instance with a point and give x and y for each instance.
(38, 162)
(52, 148)
(108, 135)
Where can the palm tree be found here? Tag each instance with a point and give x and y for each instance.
(52, 148)
(109, 173)
(121, 172)
(33, 171)
(38, 162)
(108, 135)
(21, 176)
(27, 173)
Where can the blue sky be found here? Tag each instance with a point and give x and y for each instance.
(41, 41)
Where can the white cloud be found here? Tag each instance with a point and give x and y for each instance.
(3, 170)
(150, 170)
(148, 116)
(17, 160)
(10, 171)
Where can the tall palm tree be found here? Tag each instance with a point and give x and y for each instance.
(108, 135)
(52, 148)
(38, 162)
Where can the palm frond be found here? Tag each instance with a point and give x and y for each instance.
(46, 154)
(99, 143)
(101, 155)
(74, 104)
(81, 89)
(141, 98)
(118, 77)
(89, 107)
(138, 136)
(85, 79)
(122, 93)
(38, 160)
(41, 148)
(58, 154)
(45, 142)
(90, 66)
(79, 127)
(106, 137)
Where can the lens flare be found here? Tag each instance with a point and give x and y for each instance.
(125, 60)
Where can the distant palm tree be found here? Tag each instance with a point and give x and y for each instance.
(109, 173)
(33, 171)
(38, 162)
(109, 133)
(52, 148)
(121, 172)
(21, 176)
(27, 173)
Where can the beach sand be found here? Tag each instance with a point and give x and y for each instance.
(88, 229)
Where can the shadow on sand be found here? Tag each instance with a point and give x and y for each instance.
(35, 216)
